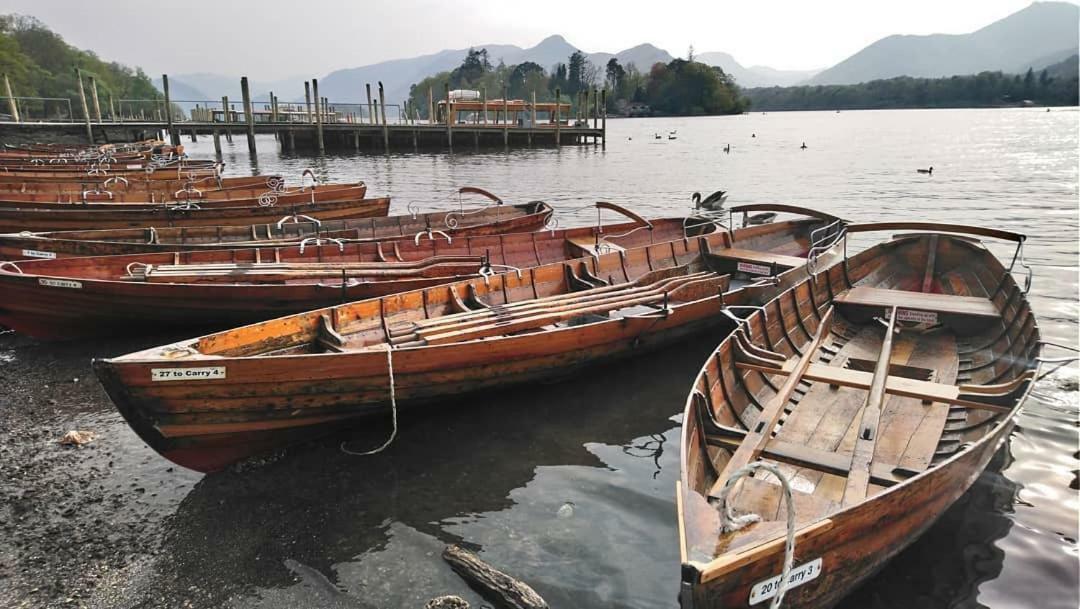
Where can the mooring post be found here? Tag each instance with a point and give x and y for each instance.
(307, 100)
(506, 118)
(112, 109)
(217, 145)
(430, 106)
(174, 137)
(532, 118)
(370, 108)
(86, 111)
(603, 121)
(12, 106)
(483, 93)
(558, 118)
(249, 118)
(226, 118)
(94, 97)
(382, 111)
(273, 108)
(356, 140)
(449, 119)
(318, 115)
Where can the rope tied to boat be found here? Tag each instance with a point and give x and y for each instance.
(729, 522)
(393, 411)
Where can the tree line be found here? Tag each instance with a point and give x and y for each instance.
(679, 87)
(38, 63)
(1050, 87)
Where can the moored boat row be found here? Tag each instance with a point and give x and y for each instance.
(853, 400)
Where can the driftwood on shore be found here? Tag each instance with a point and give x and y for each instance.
(492, 584)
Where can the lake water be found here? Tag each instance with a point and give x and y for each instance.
(570, 486)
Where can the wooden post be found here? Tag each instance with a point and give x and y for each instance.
(449, 119)
(112, 109)
(558, 119)
(249, 118)
(174, 137)
(382, 111)
(273, 108)
(226, 118)
(370, 108)
(596, 114)
(12, 106)
(217, 145)
(603, 123)
(86, 111)
(532, 122)
(94, 97)
(506, 118)
(431, 106)
(318, 115)
(307, 100)
(483, 92)
(356, 140)
(292, 140)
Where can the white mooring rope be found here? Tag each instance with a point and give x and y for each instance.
(393, 411)
(730, 522)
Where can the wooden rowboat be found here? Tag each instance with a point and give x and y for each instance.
(879, 388)
(206, 402)
(161, 189)
(75, 218)
(222, 288)
(497, 219)
(234, 198)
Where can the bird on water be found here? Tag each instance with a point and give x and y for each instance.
(713, 202)
(926, 171)
(803, 147)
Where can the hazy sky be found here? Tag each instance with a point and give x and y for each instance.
(272, 39)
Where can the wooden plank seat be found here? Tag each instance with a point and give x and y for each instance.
(756, 258)
(959, 395)
(507, 319)
(976, 306)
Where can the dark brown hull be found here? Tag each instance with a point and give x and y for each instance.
(252, 403)
(92, 296)
(67, 244)
(17, 220)
(235, 197)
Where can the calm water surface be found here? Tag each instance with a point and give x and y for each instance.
(570, 486)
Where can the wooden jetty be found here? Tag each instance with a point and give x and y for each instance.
(319, 124)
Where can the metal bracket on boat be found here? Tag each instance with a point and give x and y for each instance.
(318, 241)
(832, 233)
(309, 172)
(38, 161)
(413, 210)
(12, 265)
(134, 265)
(98, 170)
(187, 191)
(153, 235)
(296, 220)
(96, 192)
(431, 235)
(1018, 256)
(268, 199)
(117, 180)
(488, 270)
(453, 218)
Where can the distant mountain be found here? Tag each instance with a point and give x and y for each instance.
(399, 74)
(204, 86)
(1043, 31)
(754, 76)
(1064, 69)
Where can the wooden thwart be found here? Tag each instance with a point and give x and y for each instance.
(939, 303)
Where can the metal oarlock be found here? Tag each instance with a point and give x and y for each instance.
(431, 235)
(318, 241)
(296, 218)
